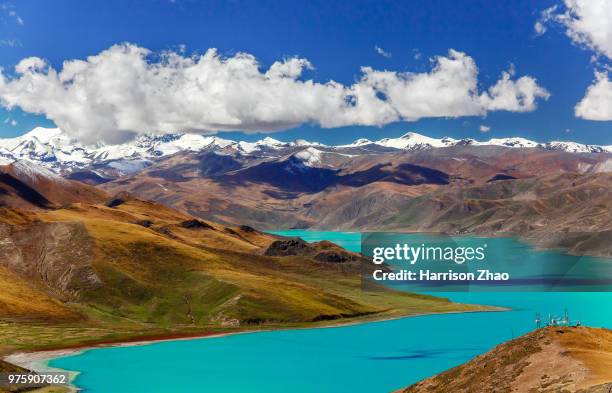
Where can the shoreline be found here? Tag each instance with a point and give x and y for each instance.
(39, 360)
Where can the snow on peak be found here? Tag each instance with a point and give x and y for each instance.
(44, 135)
(310, 156)
(574, 147)
(358, 142)
(40, 136)
(303, 142)
(267, 141)
(512, 142)
(6, 157)
(412, 140)
(30, 171)
(247, 147)
(58, 151)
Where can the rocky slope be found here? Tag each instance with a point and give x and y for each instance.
(552, 359)
(554, 198)
(568, 210)
(27, 185)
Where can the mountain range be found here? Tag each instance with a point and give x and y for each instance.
(554, 194)
(54, 149)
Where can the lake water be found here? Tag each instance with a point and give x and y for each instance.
(372, 357)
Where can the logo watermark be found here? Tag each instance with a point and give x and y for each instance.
(434, 263)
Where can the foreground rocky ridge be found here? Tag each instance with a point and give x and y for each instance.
(548, 360)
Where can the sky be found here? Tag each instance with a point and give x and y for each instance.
(331, 71)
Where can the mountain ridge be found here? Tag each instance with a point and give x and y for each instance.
(55, 150)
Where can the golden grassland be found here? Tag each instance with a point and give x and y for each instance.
(548, 360)
(592, 347)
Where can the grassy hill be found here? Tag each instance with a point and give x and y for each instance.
(548, 360)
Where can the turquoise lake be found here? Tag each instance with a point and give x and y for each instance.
(371, 357)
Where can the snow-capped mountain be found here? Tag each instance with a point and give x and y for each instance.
(57, 151)
(415, 141)
(310, 156)
(34, 173)
(358, 142)
(52, 148)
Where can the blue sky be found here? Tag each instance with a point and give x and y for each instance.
(338, 38)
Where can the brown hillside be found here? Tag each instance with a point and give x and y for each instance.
(26, 185)
(552, 198)
(548, 360)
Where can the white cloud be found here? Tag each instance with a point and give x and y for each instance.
(514, 95)
(588, 23)
(484, 128)
(597, 103)
(546, 16)
(126, 90)
(382, 52)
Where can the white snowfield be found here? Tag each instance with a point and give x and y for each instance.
(56, 150)
(34, 173)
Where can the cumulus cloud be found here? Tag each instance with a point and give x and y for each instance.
(587, 23)
(484, 128)
(126, 90)
(514, 95)
(597, 103)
